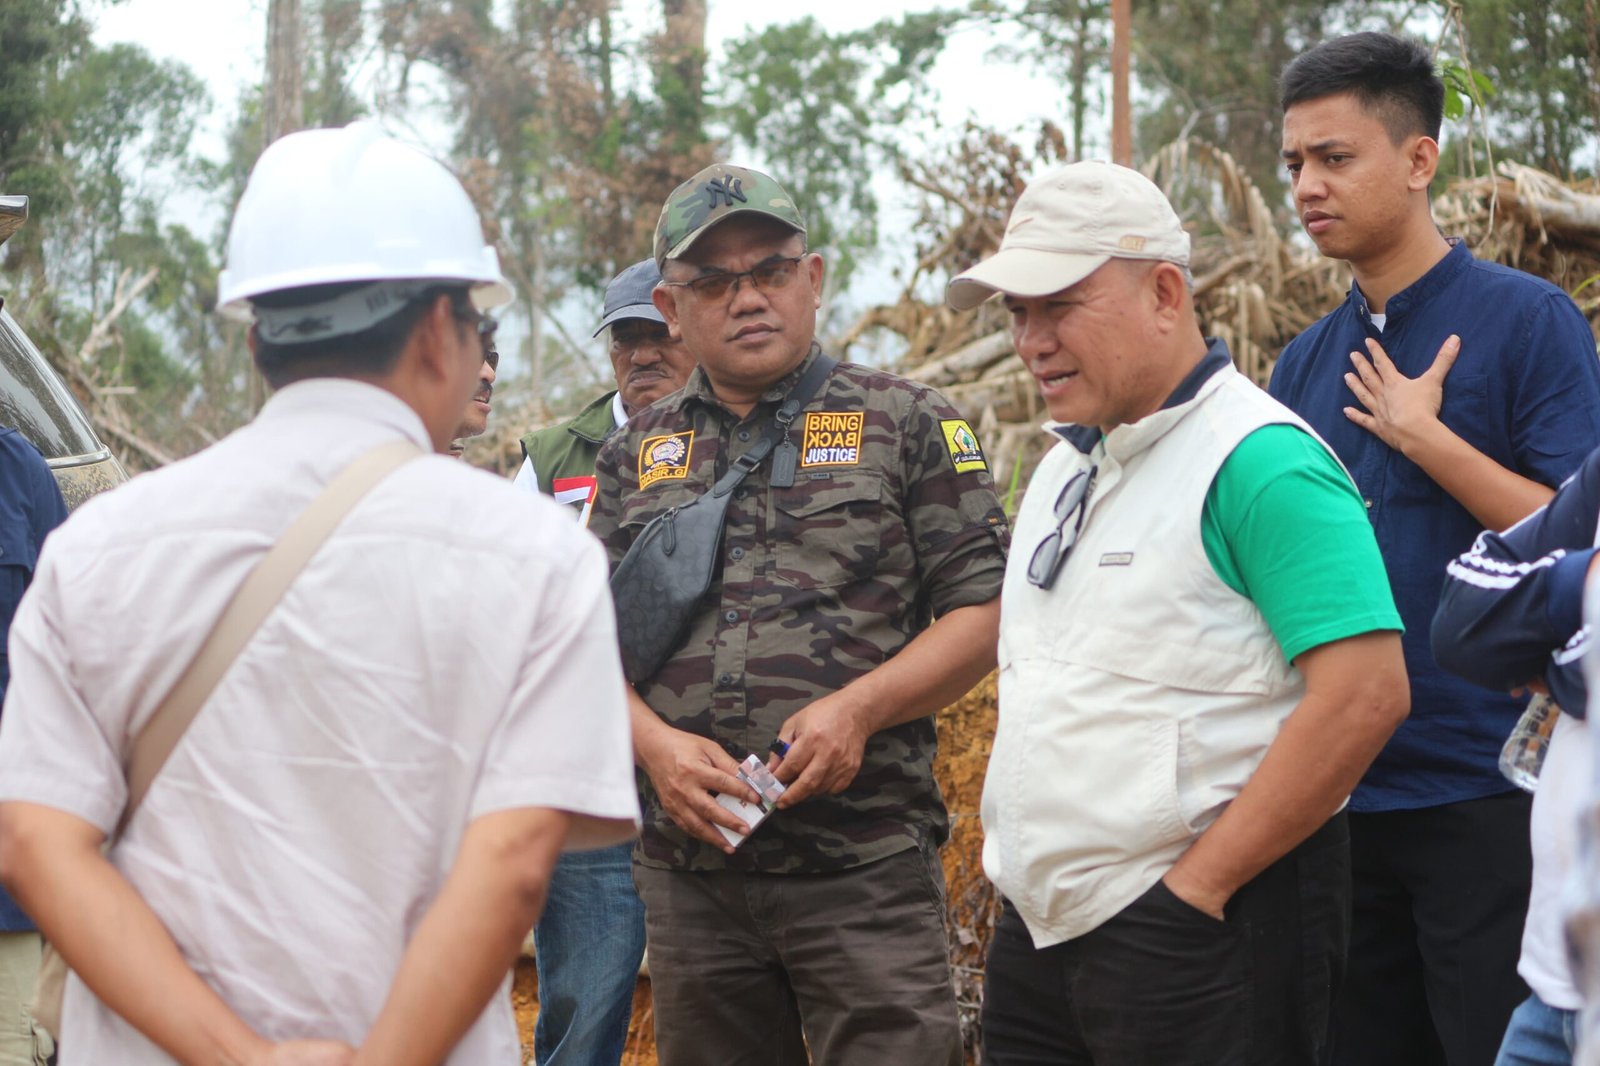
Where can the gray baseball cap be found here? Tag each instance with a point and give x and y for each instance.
(628, 295)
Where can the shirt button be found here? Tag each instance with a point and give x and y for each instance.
(724, 680)
(738, 493)
(731, 616)
(1368, 502)
(744, 434)
(736, 553)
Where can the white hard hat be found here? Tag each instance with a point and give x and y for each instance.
(353, 204)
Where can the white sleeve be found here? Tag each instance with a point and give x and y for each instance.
(564, 740)
(53, 750)
(526, 477)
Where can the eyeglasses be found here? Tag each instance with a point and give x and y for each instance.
(771, 275)
(486, 329)
(1051, 554)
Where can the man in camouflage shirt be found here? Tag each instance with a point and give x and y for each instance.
(849, 607)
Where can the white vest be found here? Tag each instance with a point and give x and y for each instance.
(1139, 694)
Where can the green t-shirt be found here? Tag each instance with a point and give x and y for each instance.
(1284, 527)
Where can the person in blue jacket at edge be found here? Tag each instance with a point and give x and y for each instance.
(1511, 617)
(30, 507)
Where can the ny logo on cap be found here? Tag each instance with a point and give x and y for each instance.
(730, 189)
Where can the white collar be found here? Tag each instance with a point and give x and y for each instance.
(348, 399)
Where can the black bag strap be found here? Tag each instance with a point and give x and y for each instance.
(778, 429)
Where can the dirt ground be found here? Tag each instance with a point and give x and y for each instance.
(966, 732)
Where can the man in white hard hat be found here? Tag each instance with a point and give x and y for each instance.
(341, 857)
(1198, 658)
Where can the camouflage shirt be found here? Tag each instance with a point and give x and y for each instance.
(892, 520)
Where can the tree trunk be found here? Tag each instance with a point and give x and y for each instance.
(1080, 78)
(680, 78)
(536, 333)
(282, 108)
(1591, 41)
(283, 104)
(608, 90)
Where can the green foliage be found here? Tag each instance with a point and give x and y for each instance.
(1540, 59)
(821, 111)
(1226, 90)
(1464, 89)
(32, 32)
(98, 137)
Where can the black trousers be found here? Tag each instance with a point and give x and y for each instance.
(1163, 984)
(1440, 898)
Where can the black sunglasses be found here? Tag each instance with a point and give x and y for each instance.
(1051, 554)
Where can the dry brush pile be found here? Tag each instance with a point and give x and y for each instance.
(1254, 288)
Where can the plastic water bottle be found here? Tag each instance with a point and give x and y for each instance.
(1523, 755)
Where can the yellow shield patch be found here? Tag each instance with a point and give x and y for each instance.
(831, 438)
(963, 445)
(664, 457)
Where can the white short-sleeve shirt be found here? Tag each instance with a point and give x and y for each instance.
(450, 652)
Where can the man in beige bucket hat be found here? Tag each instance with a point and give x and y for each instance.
(1198, 659)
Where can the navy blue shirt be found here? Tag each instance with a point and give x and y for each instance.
(1525, 391)
(30, 507)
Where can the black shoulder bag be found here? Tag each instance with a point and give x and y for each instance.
(668, 569)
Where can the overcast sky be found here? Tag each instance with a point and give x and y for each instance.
(223, 42)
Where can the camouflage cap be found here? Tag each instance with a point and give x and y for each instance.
(716, 193)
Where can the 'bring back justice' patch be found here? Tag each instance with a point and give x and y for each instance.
(831, 438)
(664, 457)
(963, 445)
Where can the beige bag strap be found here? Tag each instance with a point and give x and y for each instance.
(256, 598)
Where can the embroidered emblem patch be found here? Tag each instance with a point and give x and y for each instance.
(831, 438)
(664, 457)
(963, 445)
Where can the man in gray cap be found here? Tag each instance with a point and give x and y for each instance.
(1198, 660)
(589, 941)
(648, 362)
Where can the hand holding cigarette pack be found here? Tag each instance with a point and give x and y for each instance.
(754, 773)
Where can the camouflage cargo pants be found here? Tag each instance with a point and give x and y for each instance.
(743, 966)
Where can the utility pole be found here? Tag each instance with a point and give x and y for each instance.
(1121, 109)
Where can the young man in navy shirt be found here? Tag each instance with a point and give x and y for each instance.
(1459, 394)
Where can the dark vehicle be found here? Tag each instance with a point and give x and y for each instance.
(34, 401)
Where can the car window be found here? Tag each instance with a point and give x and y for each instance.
(33, 400)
